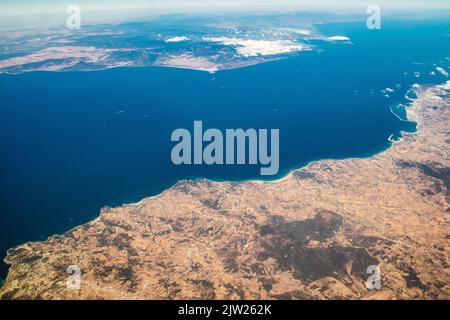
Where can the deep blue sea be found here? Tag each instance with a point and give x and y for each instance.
(73, 142)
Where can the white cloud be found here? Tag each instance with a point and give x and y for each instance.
(177, 39)
(338, 38)
(301, 31)
(252, 48)
(442, 71)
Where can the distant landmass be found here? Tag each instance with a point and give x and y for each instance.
(209, 43)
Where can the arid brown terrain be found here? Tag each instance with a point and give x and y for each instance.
(310, 235)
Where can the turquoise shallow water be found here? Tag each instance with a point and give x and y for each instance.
(72, 142)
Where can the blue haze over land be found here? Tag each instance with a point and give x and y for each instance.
(72, 142)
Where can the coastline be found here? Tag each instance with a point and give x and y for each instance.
(258, 201)
(136, 196)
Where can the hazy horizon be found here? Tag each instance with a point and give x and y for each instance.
(45, 13)
(23, 7)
